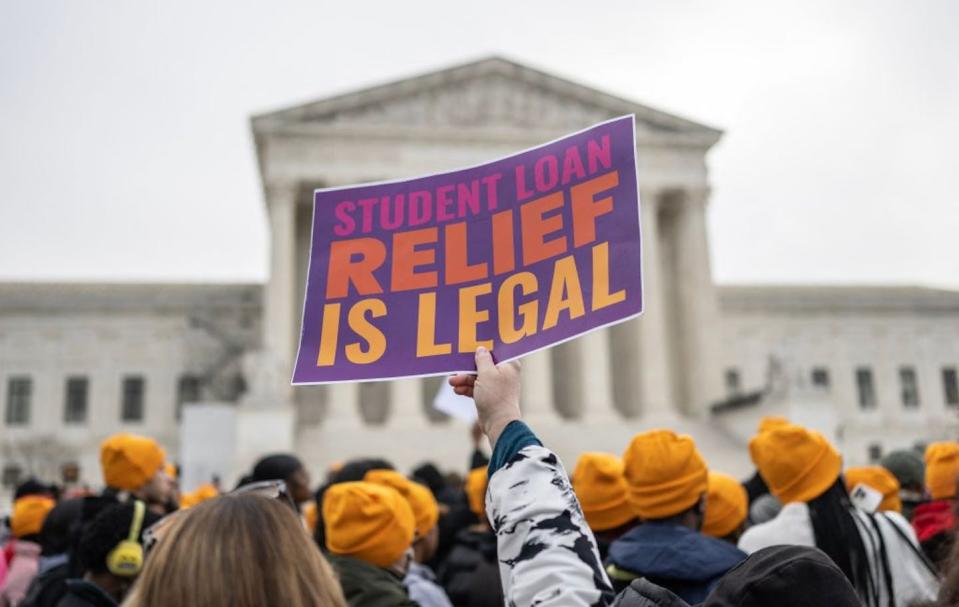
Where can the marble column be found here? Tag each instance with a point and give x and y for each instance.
(596, 381)
(406, 404)
(343, 407)
(279, 316)
(698, 306)
(652, 374)
(537, 397)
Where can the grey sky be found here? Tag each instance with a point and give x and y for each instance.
(125, 150)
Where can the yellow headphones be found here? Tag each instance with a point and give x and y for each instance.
(126, 559)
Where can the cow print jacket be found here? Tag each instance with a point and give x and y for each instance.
(548, 556)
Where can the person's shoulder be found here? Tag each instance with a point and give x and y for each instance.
(789, 527)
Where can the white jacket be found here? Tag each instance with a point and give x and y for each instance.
(911, 580)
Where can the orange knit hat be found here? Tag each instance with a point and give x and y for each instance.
(129, 461)
(880, 479)
(797, 464)
(425, 509)
(600, 485)
(942, 469)
(202, 493)
(311, 516)
(476, 490)
(664, 472)
(726, 505)
(367, 521)
(768, 422)
(28, 514)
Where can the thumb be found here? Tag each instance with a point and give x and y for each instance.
(484, 360)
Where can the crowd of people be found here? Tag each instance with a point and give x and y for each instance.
(652, 527)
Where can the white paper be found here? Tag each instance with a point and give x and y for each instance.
(454, 405)
(865, 498)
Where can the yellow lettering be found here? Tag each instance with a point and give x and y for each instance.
(376, 341)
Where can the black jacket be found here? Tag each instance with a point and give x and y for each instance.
(81, 593)
(470, 574)
(643, 593)
(785, 576)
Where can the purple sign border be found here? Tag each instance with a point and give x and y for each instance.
(306, 292)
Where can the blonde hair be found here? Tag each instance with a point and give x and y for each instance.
(243, 551)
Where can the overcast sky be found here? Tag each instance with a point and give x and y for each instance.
(125, 148)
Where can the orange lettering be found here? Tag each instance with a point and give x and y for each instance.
(535, 228)
(586, 209)
(406, 259)
(458, 268)
(343, 269)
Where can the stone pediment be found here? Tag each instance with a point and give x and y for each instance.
(489, 94)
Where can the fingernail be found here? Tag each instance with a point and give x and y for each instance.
(481, 350)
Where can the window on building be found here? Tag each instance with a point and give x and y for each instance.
(950, 386)
(875, 452)
(866, 388)
(19, 392)
(733, 382)
(132, 402)
(187, 391)
(820, 377)
(75, 401)
(11, 476)
(909, 387)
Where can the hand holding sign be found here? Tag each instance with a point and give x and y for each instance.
(411, 277)
(495, 389)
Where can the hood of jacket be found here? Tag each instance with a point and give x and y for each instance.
(784, 576)
(933, 518)
(643, 593)
(365, 584)
(667, 551)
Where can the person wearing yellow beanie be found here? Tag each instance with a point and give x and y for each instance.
(136, 465)
(600, 484)
(369, 531)
(726, 507)
(802, 469)
(471, 565)
(28, 515)
(878, 479)
(420, 579)
(476, 482)
(934, 521)
(667, 482)
(206, 491)
(26, 521)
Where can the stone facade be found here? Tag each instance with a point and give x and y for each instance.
(666, 368)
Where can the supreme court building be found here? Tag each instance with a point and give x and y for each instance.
(875, 367)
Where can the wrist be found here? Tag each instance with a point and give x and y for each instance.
(494, 427)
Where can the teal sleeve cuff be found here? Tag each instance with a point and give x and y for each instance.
(516, 436)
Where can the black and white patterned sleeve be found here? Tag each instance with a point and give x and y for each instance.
(547, 553)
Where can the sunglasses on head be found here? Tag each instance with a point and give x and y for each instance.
(275, 490)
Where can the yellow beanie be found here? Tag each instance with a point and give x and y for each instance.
(664, 472)
(202, 493)
(425, 509)
(942, 468)
(169, 468)
(28, 515)
(311, 516)
(880, 479)
(476, 490)
(768, 422)
(129, 461)
(797, 464)
(726, 505)
(367, 521)
(600, 485)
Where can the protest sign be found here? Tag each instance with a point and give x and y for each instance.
(408, 278)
